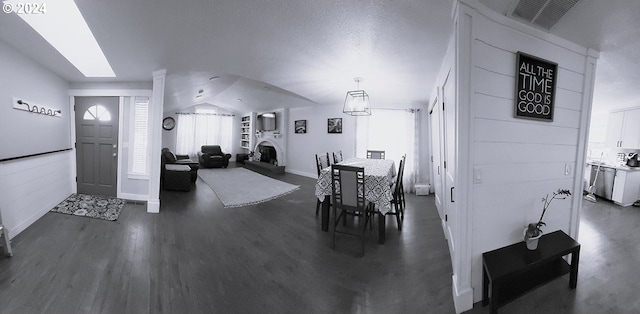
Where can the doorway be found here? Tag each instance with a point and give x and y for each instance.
(97, 145)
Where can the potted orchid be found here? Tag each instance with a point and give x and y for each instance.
(533, 231)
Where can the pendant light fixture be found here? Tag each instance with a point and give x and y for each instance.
(357, 101)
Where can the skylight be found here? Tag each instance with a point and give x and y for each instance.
(61, 24)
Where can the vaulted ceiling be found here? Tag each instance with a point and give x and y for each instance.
(266, 54)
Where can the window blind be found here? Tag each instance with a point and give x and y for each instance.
(139, 143)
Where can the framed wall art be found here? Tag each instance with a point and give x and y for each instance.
(300, 126)
(334, 125)
(535, 87)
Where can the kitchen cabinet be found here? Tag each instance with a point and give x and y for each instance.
(626, 187)
(623, 129)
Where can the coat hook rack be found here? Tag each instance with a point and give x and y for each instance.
(23, 105)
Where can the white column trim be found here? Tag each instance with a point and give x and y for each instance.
(155, 130)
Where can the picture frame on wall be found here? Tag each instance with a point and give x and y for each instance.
(334, 125)
(535, 87)
(300, 126)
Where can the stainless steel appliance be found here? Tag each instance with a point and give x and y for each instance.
(604, 183)
(632, 160)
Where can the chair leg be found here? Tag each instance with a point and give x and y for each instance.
(335, 223)
(318, 203)
(7, 242)
(398, 219)
(364, 228)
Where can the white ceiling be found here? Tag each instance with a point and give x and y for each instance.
(613, 28)
(272, 54)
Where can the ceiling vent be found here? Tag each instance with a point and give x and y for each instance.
(543, 13)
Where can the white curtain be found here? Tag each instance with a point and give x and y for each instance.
(197, 129)
(394, 131)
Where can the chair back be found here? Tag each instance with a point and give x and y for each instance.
(347, 186)
(322, 161)
(403, 161)
(212, 150)
(337, 157)
(168, 156)
(375, 154)
(398, 184)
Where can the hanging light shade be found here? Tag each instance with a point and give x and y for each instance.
(357, 102)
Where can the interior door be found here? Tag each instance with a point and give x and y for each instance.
(436, 158)
(449, 132)
(97, 145)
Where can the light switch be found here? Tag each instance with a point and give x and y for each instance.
(477, 175)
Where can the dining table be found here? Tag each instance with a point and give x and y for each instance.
(378, 178)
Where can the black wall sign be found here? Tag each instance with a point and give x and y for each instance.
(535, 87)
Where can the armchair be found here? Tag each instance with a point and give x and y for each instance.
(168, 157)
(211, 156)
(178, 172)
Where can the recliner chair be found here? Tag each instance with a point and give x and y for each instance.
(168, 157)
(211, 156)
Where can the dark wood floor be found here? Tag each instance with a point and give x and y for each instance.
(197, 257)
(608, 278)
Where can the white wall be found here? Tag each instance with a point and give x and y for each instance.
(513, 163)
(302, 148)
(30, 187)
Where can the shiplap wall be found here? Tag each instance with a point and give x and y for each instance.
(516, 162)
(30, 187)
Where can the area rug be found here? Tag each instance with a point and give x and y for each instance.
(101, 207)
(237, 187)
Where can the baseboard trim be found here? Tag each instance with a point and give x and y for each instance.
(302, 173)
(462, 298)
(29, 221)
(134, 197)
(153, 206)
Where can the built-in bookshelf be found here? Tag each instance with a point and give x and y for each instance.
(245, 132)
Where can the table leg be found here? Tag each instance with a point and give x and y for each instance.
(495, 298)
(381, 228)
(325, 213)
(573, 277)
(485, 287)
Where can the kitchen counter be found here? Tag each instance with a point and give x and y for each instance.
(623, 189)
(617, 167)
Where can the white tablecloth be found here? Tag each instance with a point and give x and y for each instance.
(378, 176)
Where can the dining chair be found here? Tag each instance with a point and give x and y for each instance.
(337, 157)
(321, 163)
(404, 163)
(375, 154)
(396, 202)
(347, 194)
(4, 233)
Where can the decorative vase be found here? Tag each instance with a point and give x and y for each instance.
(532, 242)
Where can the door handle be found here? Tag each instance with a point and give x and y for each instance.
(452, 200)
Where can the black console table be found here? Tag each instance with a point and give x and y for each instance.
(513, 270)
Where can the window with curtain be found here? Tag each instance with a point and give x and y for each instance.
(204, 127)
(138, 152)
(395, 132)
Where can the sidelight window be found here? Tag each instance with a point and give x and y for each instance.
(139, 136)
